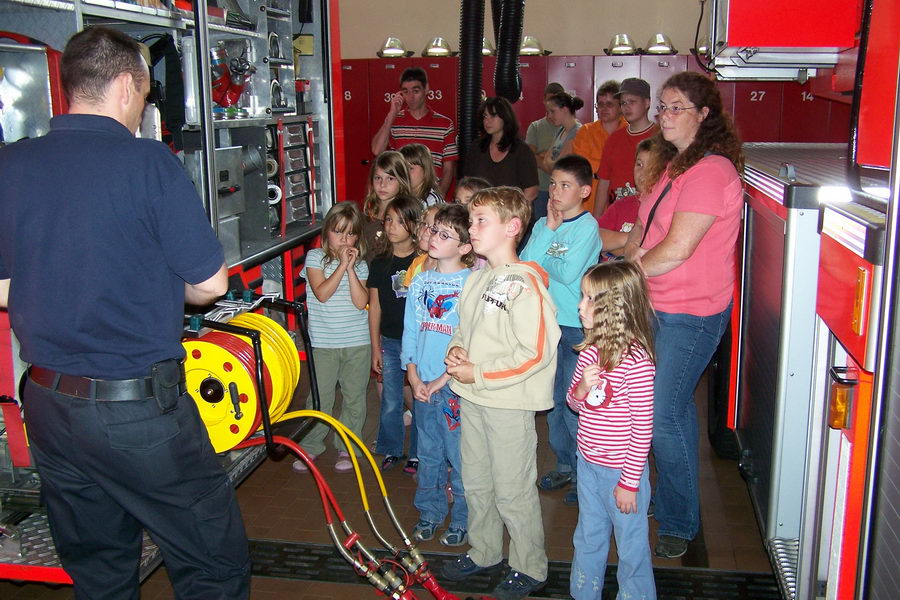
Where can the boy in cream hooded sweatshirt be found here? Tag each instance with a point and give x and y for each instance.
(502, 359)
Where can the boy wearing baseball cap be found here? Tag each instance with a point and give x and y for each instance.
(616, 173)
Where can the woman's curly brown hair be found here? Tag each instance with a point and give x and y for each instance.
(717, 134)
(621, 312)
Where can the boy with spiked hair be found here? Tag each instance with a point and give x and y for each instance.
(502, 359)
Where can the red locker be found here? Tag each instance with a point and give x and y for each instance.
(804, 117)
(757, 110)
(530, 107)
(442, 83)
(614, 68)
(839, 122)
(357, 133)
(655, 70)
(576, 74)
(488, 64)
(384, 80)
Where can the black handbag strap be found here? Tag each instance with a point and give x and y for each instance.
(653, 211)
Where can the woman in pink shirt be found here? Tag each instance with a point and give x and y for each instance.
(685, 241)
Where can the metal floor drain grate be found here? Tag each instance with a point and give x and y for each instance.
(318, 562)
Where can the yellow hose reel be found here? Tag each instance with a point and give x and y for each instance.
(220, 371)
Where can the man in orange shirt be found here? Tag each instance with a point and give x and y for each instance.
(591, 137)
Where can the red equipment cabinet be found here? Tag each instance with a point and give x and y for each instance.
(878, 96)
(775, 23)
(576, 75)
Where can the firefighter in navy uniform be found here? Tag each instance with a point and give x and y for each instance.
(102, 240)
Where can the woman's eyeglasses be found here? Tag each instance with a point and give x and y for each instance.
(675, 110)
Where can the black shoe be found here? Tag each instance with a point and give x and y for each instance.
(517, 586)
(651, 510)
(390, 461)
(463, 567)
(555, 480)
(670, 546)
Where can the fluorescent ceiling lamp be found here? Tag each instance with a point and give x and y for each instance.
(437, 47)
(531, 46)
(621, 43)
(660, 44)
(703, 47)
(393, 48)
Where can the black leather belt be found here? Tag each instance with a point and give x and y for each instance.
(102, 390)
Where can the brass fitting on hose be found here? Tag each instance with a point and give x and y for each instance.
(415, 555)
(392, 578)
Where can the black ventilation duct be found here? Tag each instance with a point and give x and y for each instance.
(471, 32)
(509, 40)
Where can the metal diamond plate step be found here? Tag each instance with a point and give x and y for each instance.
(318, 562)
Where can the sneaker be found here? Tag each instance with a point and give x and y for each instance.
(462, 567)
(300, 466)
(424, 531)
(390, 461)
(571, 498)
(517, 586)
(670, 546)
(555, 480)
(412, 466)
(343, 464)
(407, 418)
(454, 537)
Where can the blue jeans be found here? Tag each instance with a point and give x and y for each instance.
(437, 422)
(562, 422)
(598, 518)
(684, 345)
(391, 431)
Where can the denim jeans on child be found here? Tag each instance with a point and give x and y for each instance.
(438, 422)
(391, 431)
(684, 345)
(562, 421)
(598, 519)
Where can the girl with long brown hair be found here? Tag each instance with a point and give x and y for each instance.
(612, 392)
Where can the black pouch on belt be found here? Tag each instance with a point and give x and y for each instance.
(165, 376)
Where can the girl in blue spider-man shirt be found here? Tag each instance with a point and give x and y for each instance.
(429, 322)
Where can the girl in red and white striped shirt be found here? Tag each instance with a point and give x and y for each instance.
(612, 392)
